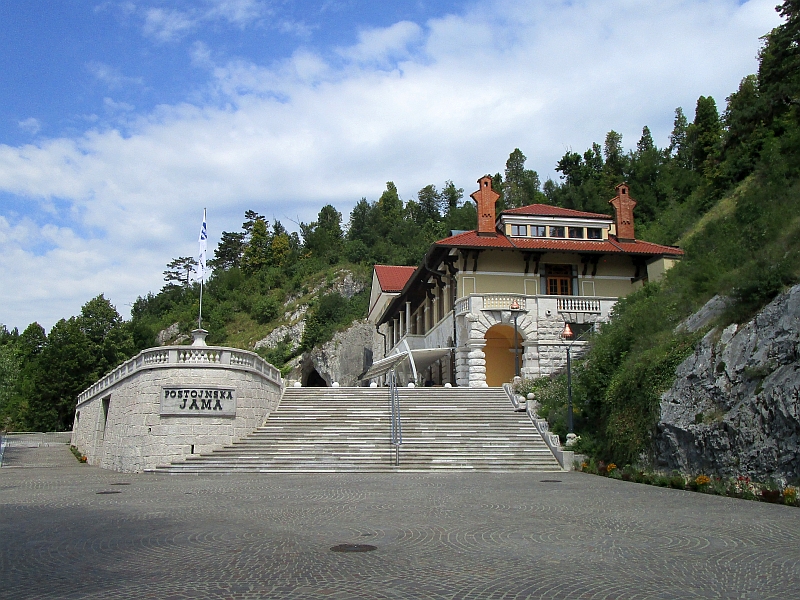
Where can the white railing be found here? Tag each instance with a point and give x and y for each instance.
(578, 304)
(183, 355)
(463, 306)
(502, 301)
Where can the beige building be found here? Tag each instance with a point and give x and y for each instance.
(495, 300)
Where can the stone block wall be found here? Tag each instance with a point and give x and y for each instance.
(135, 436)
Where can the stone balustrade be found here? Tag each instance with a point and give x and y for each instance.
(579, 304)
(194, 356)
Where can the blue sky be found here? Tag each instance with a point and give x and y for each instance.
(120, 121)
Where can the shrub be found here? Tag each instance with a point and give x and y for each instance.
(265, 309)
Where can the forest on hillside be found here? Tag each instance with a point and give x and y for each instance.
(725, 188)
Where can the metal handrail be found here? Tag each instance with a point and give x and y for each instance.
(394, 410)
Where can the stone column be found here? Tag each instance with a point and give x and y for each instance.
(476, 363)
(408, 319)
(530, 359)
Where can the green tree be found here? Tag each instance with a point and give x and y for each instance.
(678, 143)
(522, 186)
(228, 253)
(429, 201)
(614, 157)
(645, 143)
(110, 338)
(179, 271)
(323, 238)
(256, 253)
(779, 66)
(705, 132)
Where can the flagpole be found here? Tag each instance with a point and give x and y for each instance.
(202, 265)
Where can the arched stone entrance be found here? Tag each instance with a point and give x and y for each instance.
(499, 350)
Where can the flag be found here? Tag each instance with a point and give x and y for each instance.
(203, 247)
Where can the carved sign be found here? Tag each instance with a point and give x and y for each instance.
(198, 401)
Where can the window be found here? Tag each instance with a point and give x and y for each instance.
(559, 280)
(538, 231)
(556, 232)
(576, 233)
(519, 230)
(594, 233)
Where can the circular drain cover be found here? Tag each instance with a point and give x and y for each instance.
(353, 548)
(110, 492)
(550, 481)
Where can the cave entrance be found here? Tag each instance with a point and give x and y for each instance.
(314, 379)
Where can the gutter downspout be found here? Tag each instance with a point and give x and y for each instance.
(383, 335)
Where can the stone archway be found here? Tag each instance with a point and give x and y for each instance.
(499, 351)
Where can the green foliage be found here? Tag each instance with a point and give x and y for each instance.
(266, 309)
(52, 369)
(737, 221)
(329, 314)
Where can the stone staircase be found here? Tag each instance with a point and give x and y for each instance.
(348, 429)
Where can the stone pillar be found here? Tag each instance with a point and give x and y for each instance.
(476, 363)
(408, 319)
(462, 368)
(530, 359)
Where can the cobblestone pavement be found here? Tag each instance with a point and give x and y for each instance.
(75, 531)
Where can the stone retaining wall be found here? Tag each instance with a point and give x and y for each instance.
(119, 425)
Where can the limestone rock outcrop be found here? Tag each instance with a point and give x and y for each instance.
(339, 360)
(171, 335)
(292, 333)
(734, 408)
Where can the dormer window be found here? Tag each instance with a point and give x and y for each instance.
(519, 230)
(575, 233)
(556, 231)
(538, 231)
(594, 233)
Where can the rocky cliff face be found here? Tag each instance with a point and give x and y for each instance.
(341, 359)
(734, 408)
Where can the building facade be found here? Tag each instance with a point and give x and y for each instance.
(499, 297)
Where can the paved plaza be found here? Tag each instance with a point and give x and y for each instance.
(74, 531)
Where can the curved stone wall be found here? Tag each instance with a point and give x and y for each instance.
(120, 422)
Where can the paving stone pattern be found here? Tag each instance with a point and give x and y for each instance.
(77, 531)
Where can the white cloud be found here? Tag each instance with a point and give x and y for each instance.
(381, 45)
(239, 12)
(111, 76)
(30, 125)
(412, 103)
(167, 25)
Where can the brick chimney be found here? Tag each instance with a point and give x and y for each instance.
(623, 213)
(485, 198)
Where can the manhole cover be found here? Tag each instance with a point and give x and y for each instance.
(353, 548)
(120, 484)
(550, 481)
(110, 492)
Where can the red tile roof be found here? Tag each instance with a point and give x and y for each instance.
(471, 239)
(393, 279)
(545, 210)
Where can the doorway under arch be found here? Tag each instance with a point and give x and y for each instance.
(499, 350)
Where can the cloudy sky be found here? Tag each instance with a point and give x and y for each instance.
(121, 120)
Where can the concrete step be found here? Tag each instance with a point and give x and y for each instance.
(347, 429)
